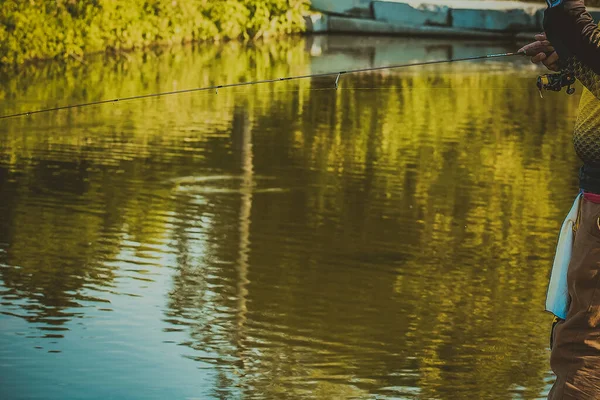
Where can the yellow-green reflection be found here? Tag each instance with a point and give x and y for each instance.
(391, 238)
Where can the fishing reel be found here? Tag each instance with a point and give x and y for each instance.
(555, 82)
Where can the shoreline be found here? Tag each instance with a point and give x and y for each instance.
(311, 38)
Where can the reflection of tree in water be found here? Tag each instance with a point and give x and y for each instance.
(211, 302)
(410, 258)
(65, 226)
(53, 247)
(76, 186)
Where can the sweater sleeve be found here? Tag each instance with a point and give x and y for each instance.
(576, 38)
(574, 33)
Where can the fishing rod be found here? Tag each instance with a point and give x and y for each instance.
(231, 85)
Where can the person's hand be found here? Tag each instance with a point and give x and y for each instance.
(542, 51)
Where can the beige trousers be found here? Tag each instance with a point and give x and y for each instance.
(575, 357)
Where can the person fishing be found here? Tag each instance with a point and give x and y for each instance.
(571, 44)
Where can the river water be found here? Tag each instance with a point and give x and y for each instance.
(388, 240)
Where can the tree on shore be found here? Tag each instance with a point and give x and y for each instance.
(44, 29)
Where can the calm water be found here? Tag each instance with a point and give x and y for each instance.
(391, 239)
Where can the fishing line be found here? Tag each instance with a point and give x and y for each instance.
(216, 88)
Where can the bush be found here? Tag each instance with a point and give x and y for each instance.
(43, 29)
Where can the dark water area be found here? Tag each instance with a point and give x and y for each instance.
(388, 240)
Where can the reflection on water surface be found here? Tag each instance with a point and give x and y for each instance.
(390, 239)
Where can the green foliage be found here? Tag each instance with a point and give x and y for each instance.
(43, 29)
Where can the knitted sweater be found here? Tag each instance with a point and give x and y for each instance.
(576, 37)
(586, 136)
